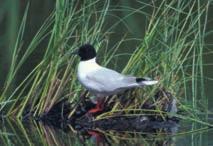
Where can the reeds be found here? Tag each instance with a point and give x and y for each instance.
(171, 51)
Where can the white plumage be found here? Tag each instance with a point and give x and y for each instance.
(102, 81)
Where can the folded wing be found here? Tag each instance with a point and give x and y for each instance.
(109, 80)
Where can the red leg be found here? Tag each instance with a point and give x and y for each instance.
(98, 108)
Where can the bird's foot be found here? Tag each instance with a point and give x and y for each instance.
(90, 115)
(98, 108)
(95, 110)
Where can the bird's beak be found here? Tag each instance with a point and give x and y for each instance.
(75, 52)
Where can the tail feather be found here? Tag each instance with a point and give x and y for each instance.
(146, 81)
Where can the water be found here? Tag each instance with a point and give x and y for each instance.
(13, 132)
(32, 133)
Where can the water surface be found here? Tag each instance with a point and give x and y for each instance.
(13, 132)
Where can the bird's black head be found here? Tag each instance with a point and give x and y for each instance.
(86, 52)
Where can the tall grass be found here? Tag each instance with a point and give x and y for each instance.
(54, 77)
(170, 51)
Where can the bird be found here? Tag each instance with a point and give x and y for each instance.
(101, 81)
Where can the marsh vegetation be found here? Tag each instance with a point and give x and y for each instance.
(171, 49)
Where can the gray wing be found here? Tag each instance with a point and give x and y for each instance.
(110, 80)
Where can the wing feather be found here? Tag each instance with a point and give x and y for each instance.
(109, 80)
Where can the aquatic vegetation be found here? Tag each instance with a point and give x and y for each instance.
(170, 51)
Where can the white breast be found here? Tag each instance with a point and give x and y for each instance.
(84, 68)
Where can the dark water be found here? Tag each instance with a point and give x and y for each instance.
(13, 132)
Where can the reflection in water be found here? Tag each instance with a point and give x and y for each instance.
(13, 132)
(29, 132)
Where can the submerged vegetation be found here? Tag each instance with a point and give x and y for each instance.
(171, 51)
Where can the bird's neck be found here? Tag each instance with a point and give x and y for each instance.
(88, 65)
(93, 60)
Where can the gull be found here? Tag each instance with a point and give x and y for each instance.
(101, 81)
